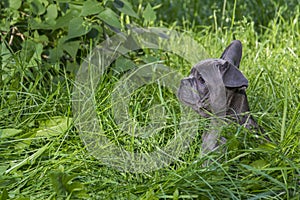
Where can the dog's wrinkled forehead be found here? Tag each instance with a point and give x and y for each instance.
(206, 66)
(210, 62)
(232, 77)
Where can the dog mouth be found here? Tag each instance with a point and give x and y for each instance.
(195, 95)
(203, 106)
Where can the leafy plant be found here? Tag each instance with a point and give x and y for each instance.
(65, 186)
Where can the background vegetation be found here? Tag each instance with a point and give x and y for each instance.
(43, 43)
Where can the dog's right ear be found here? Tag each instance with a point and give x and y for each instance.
(233, 53)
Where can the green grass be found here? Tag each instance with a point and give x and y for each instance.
(38, 163)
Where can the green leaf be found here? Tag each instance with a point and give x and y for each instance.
(53, 127)
(23, 144)
(9, 132)
(76, 186)
(51, 12)
(123, 64)
(36, 57)
(37, 7)
(91, 8)
(4, 194)
(56, 181)
(176, 195)
(34, 24)
(259, 164)
(150, 195)
(125, 7)
(63, 183)
(5, 55)
(71, 48)
(110, 17)
(55, 54)
(65, 20)
(40, 38)
(77, 28)
(15, 4)
(28, 49)
(149, 14)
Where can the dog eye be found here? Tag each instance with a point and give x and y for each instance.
(201, 80)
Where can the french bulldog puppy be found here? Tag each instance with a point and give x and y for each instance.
(217, 86)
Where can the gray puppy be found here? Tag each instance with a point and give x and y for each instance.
(217, 86)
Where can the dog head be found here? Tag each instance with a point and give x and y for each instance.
(217, 84)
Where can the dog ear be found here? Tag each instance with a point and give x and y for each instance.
(232, 76)
(233, 53)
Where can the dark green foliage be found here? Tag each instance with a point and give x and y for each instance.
(64, 185)
(224, 13)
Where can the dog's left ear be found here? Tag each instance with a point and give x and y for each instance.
(231, 75)
(233, 53)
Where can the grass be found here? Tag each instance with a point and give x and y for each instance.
(43, 157)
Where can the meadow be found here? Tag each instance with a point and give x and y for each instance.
(42, 152)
